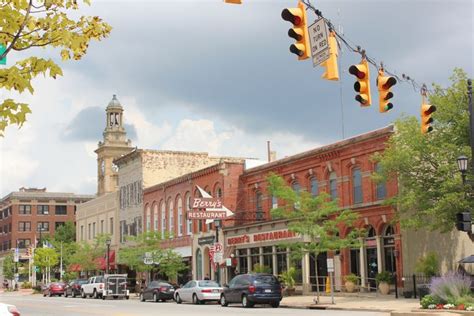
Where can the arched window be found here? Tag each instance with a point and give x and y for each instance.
(313, 183)
(296, 187)
(155, 217)
(357, 185)
(333, 185)
(259, 205)
(171, 217)
(274, 201)
(163, 219)
(371, 256)
(148, 218)
(180, 216)
(218, 193)
(380, 190)
(199, 228)
(389, 249)
(189, 222)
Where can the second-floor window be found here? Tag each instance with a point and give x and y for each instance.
(189, 221)
(111, 226)
(61, 210)
(171, 217)
(333, 185)
(380, 189)
(313, 182)
(25, 209)
(357, 185)
(180, 217)
(24, 226)
(259, 205)
(82, 232)
(24, 243)
(42, 226)
(43, 210)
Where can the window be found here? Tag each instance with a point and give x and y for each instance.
(242, 260)
(171, 217)
(254, 257)
(180, 217)
(148, 218)
(43, 209)
(389, 249)
(24, 243)
(111, 227)
(281, 260)
(163, 220)
(89, 231)
(380, 190)
(101, 226)
(57, 224)
(313, 183)
(333, 185)
(42, 226)
(25, 209)
(82, 232)
(259, 206)
(357, 185)
(61, 210)
(188, 208)
(155, 217)
(24, 226)
(274, 202)
(295, 186)
(93, 230)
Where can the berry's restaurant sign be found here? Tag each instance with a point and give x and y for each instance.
(208, 208)
(261, 237)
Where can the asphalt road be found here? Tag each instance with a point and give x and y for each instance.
(37, 305)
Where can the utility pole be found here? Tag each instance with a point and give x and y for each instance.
(61, 263)
(471, 122)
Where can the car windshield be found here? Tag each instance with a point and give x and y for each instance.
(56, 284)
(266, 279)
(208, 283)
(81, 281)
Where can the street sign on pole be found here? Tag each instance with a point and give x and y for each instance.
(148, 259)
(218, 252)
(330, 264)
(318, 36)
(16, 256)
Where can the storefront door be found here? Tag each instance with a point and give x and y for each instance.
(322, 271)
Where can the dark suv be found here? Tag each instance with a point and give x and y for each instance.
(251, 289)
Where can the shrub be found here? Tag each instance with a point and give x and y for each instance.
(26, 285)
(384, 276)
(428, 265)
(428, 300)
(260, 268)
(352, 278)
(288, 277)
(450, 287)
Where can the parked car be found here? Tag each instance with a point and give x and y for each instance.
(115, 285)
(55, 288)
(73, 288)
(251, 289)
(93, 288)
(156, 291)
(8, 310)
(198, 292)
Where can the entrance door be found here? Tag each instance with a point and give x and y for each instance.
(372, 268)
(322, 271)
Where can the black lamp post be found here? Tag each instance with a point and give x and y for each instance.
(217, 224)
(462, 166)
(107, 242)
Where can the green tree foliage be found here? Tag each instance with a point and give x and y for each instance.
(46, 257)
(430, 190)
(9, 267)
(65, 233)
(428, 264)
(86, 254)
(27, 24)
(170, 263)
(133, 253)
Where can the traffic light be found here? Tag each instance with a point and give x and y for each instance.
(297, 16)
(233, 1)
(362, 86)
(28, 252)
(464, 221)
(332, 70)
(426, 119)
(384, 84)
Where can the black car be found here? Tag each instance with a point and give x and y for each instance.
(156, 291)
(73, 288)
(251, 289)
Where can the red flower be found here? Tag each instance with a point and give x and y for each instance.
(461, 307)
(439, 306)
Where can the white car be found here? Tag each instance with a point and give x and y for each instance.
(8, 310)
(198, 292)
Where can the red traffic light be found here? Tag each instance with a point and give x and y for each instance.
(354, 70)
(292, 15)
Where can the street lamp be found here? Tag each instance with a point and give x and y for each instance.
(217, 224)
(462, 166)
(107, 242)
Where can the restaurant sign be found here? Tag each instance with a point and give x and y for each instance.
(262, 237)
(208, 208)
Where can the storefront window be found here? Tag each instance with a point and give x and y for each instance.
(268, 258)
(389, 249)
(242, 256)
(298, 265)
(255, 257)
(281, 260)
(371, 257)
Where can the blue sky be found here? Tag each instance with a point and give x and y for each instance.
(208, 76)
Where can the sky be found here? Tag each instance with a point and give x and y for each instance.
(202, 75)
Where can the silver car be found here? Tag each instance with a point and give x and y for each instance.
(198, 292)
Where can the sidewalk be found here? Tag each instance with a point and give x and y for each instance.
(360, 303)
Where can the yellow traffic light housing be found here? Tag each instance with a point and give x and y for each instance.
(426, 111)
(332, 69)
(299, 32)
(233, 1)
(384, 85)
(362, 86)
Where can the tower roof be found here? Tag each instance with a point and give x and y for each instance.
(114, 103)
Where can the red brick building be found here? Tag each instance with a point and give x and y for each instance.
(343, 170)
(166, 204)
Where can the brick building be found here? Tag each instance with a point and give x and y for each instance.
(30, 212)
(166, 205)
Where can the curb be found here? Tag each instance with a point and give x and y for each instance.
(329, 307)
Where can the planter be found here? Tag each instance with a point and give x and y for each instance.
(384, 288)
(350, 286)
(408, 294)
(290, 291)
(423, 291)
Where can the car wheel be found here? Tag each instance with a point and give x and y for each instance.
(246, 302)
(142, 298)
(155, 298)
(178, 299)
(65, 294)
(127, 297)
(73, 294)
(223, 301)
(44, 294)
(196, 300)
(275, 304)
(83, 295)
(94, 294)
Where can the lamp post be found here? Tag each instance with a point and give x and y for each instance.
(107, 242)
(462, 167)
(217, 224)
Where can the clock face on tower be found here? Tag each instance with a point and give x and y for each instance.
(102, 167)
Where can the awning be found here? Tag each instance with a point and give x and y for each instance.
(102, 261)
(469, 259)
(75, 267)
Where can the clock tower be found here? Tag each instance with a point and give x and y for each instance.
(114, 145)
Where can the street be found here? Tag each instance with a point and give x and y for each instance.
(37, 305)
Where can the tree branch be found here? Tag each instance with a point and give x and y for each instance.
(17, 36)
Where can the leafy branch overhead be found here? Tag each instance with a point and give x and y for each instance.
(28, 24)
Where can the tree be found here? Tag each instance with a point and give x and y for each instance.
(28, 24)
(170, 263)
(65, 233)
(316, 218)
(86, 254)
(45, 258)
(9, 267)
(430, 191)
